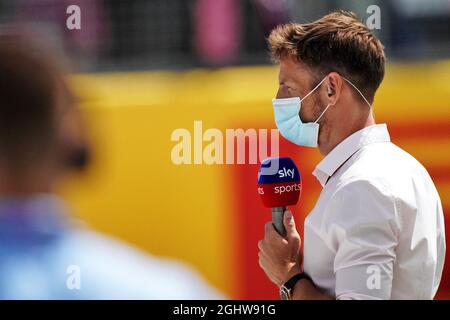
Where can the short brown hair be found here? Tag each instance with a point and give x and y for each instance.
(337, 42)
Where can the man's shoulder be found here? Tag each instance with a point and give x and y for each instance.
(385, 166)
(387, 171)
(386, 155)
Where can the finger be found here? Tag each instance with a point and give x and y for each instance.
(289, 224)
(268, 227)
(265, 265)
(267, 271)
(261, 245)
(263, 255)
(262, 260)
(270, 232)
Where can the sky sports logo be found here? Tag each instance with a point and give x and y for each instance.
(287, 188)
(283, 188)
(286, 173)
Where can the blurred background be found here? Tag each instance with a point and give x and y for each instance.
(144, 68)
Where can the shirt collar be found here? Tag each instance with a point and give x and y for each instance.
(344, 150)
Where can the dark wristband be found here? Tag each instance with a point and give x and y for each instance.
(286, 289)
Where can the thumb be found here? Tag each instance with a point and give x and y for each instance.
(289, 223)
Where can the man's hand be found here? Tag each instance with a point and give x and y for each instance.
(279, 257)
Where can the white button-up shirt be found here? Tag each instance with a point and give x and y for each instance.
(377, 229)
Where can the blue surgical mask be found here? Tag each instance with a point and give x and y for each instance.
(288, 121)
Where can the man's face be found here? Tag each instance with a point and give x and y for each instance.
(295, 80)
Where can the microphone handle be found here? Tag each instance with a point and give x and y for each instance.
(277, 220)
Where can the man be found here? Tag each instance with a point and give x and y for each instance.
(377, 229)
(43, 254)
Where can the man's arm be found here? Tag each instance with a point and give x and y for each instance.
(280, 258)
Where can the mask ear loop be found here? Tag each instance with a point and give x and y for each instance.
(323, 112)
(314, 89)
(370, 106)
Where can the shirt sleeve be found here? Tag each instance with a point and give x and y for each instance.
(365, 236)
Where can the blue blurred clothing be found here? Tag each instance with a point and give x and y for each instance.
(41, 249)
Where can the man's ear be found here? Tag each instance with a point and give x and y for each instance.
(333, 87)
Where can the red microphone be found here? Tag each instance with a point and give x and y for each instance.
(279, 186)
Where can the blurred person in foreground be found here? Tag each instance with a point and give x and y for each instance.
(43, 253)
(377, 229)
